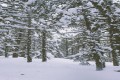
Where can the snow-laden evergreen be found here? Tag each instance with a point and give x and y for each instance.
(82, 30)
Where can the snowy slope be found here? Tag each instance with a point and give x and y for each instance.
(54, 69)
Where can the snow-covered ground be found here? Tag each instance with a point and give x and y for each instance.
(53, 69)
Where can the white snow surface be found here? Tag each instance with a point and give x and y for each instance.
(53, 69)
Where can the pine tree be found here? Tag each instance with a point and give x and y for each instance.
(106, 11)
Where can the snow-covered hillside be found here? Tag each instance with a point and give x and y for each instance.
(53, 69)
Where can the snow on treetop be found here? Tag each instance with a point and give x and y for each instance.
(30, 2)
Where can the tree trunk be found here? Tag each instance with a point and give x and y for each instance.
(6, 51)
(103, 60)
(114, 54)
(44, 58)
(99, 66)
(29, 59)
(115, 58)
(66, 47)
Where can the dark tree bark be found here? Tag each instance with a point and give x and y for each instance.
(115, 58)
(29, 59)
(99, 65)
(6, 51)
(44, 58)
(66, 47)
(114, 54)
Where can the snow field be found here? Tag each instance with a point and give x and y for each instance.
(53, 69)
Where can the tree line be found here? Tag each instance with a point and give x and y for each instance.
(28, 29)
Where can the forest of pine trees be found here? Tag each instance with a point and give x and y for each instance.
(82, 30)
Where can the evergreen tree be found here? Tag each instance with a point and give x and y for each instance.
(108, 12)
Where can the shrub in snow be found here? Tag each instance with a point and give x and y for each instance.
(22, 54)
(15, 55)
